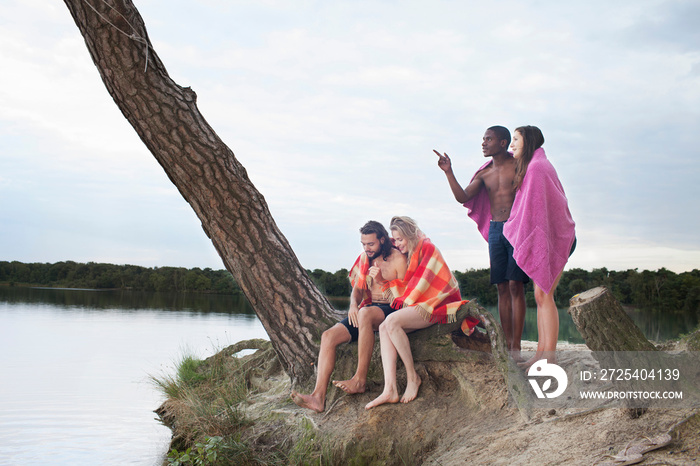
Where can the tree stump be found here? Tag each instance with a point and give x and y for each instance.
(603, 323)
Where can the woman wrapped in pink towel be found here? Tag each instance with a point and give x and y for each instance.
(541, 230)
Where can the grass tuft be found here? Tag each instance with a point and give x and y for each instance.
(206, 409)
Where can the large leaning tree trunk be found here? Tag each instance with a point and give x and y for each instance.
(233, 213)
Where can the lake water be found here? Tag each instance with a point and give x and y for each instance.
(75, 366)
(656, 325)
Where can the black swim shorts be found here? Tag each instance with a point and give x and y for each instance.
(354, 333)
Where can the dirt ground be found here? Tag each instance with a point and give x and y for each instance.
(464, 415)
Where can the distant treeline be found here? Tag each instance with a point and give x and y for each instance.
(108, 276)
(662, 289)
(94, 275)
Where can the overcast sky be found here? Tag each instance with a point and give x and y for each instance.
(335, 107)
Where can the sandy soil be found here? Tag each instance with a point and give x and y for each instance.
(464, 415)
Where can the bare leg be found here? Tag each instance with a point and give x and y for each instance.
(547, 325)
(330, 339)
(505, 312)
(517, 296)
(395, 327)
(547, 342)
(369, 320)
(390, 394)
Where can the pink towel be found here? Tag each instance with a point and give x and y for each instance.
(540, 226)
(479, 207)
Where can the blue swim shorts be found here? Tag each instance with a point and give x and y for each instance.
(503, 266)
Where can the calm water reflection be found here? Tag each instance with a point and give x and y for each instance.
(74, 385)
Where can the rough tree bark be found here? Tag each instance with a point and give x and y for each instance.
(603, 323)
(233, 213)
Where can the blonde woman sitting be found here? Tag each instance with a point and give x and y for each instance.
(427, 294)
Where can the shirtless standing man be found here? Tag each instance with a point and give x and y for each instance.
(496, 178)
(386, 264)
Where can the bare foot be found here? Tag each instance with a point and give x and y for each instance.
(517, 357)
(391, 397)
(526, 364)
(412, 387)
(308, 401)
(549, 356)
(351, 387)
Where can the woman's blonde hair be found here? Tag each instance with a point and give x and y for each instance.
(408, 228)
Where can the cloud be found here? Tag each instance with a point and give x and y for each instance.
(334, 109)
(666, 25)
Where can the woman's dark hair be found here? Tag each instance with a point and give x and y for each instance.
(532, 140)
(378, 229)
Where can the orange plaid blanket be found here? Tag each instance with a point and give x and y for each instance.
(428, 285)
(358, 277)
